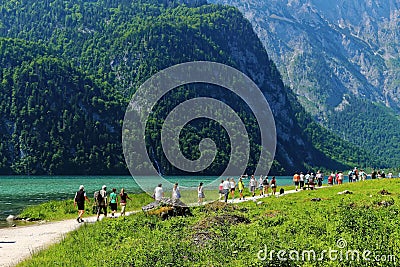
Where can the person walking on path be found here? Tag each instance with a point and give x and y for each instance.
(311, 181)
(363, 175)
(307, 179)
(113, 202)
(102, 201)
(320, 178)
(176, 193)
(232, 187)
(340, 177)
(123, 196)
(158, 193)
(80, 198)
(373, 174)
(253, 185)
(330, 179)
(241, 188)
(200, 193)
(221, 189)
(226, 186)
(350, 174)
(301, 180)
(265, 184)
(273, 185)
(296, 180)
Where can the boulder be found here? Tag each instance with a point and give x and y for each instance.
(11, 218)
(167, 207)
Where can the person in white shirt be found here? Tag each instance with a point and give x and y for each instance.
(301, 180)
(232, 188)
(226, 185)
(319, 177)
(260, 185)
(253, 185)
(307, 178)
(102, 205)
(200, 193)
(158, 192)
(176, 193)
(340, 177)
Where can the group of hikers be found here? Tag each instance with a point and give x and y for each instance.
(309, 179)
(263, 184)
(102, 201)
(176, 193)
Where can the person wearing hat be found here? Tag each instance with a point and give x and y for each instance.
(79, 200)
(102, 205)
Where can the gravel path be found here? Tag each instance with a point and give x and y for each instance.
(18, 243)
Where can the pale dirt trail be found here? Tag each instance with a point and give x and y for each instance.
(19, 243)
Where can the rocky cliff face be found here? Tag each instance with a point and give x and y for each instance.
(333, 54)
(325, 50)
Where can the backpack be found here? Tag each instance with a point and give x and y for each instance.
(98, 197)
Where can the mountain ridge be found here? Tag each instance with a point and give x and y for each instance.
(119, 45)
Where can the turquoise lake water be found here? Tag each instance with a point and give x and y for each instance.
(17, 192)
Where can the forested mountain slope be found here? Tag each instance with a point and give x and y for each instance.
(70, 67)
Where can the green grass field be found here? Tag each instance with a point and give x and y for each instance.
(359, 229)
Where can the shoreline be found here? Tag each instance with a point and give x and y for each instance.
(17, 196)
(19, 243)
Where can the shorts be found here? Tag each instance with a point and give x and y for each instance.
(113, 206)
(252, 188)
(81, 205)
(221, 191)
(200, 195)
(296, 183)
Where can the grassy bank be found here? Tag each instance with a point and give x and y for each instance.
(294, 227)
